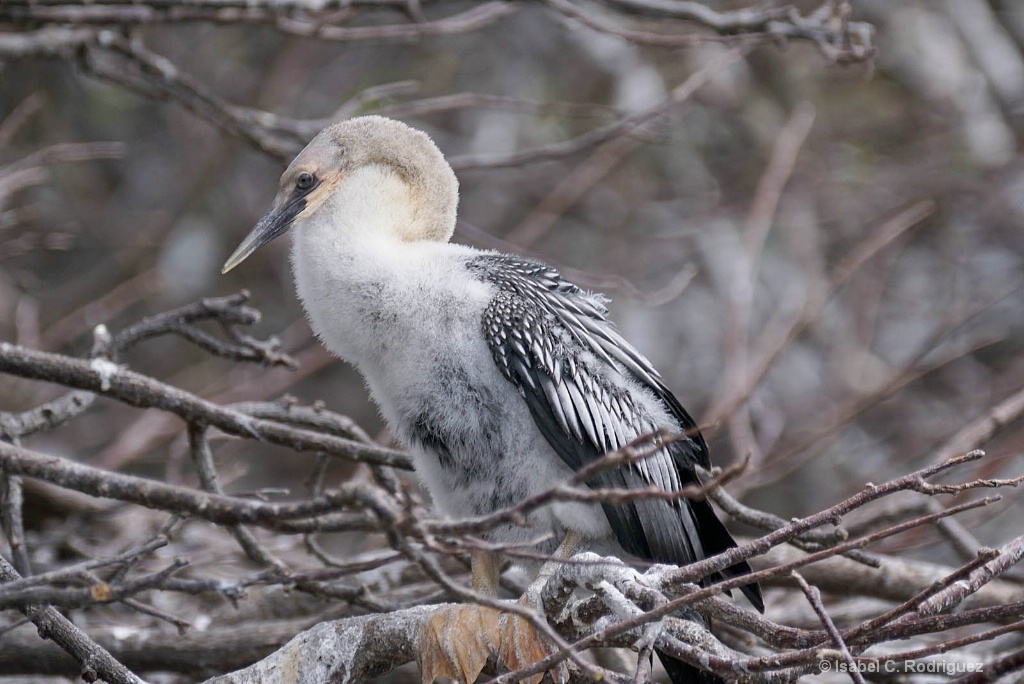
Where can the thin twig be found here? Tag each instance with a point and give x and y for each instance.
(814, 597)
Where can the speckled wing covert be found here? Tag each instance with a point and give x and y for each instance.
(555, 344)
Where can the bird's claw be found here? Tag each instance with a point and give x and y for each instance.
(645, 644)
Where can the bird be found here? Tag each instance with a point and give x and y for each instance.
(497, 374)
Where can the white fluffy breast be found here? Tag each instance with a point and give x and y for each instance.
(409, 317)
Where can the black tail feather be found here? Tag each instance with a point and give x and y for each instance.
(717, 539)
(684, 673)
(752, 591)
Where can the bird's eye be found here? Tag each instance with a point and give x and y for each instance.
(304, 181)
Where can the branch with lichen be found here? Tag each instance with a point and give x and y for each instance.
(619, 606)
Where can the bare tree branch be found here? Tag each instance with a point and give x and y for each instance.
(108, 379)
(95, 662)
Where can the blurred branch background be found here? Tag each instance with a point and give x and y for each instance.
(808, 218)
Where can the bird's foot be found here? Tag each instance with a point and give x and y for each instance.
(459, 641)
(520, 646)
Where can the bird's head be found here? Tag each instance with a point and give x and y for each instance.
(370, 174)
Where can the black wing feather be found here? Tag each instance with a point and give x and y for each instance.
(545, 335)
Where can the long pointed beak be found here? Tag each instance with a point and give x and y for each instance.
(275, 222)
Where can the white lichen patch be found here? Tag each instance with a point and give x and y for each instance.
(106, 369)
